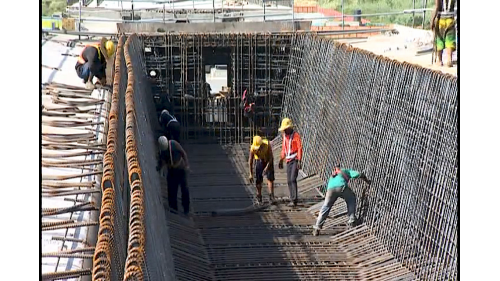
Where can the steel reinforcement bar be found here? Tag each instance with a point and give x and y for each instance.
(109, 256)
(395, 121)
(149, 251)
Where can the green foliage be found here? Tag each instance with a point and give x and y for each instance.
(383, 6)
(50, 7)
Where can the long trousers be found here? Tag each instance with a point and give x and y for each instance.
(176, 177)
(331, 196)
(291, 176)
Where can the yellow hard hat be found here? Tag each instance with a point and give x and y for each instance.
(257, 142)
(285, 124)
(110, 48)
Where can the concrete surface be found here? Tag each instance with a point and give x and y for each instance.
(403, 47)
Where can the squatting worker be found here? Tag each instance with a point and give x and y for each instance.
(262, 152)
(337, 187)
(291, 151)
(173, 155)
(92, 62)
(170, 126)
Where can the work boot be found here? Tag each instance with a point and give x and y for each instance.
(315, 231)
(259, 199)
(272, 200)
(292, 204)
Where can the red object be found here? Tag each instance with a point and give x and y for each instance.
(295, 147)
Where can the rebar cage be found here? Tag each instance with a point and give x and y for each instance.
(257, 63)
(395, 121)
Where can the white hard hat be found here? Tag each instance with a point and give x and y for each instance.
(163, 143)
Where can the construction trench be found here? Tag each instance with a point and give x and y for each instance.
(397, 122)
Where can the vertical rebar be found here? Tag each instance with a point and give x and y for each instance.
(80, 19)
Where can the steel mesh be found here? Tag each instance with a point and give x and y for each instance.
(395, 121)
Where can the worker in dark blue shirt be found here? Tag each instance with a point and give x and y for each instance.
(170, 126)
(338, 187)
(175, 158)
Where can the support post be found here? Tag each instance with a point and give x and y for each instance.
(80, 19)
(342, 15)
(213, 8)
(293, 14)
(264, 3)
(413, 17)
(164, 12)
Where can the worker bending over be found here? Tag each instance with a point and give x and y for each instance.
(173, 155)
(263, 154)
(337, 187)
(170, 126)
(291, 150)
(92, 62)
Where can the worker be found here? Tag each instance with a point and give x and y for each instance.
(443, 26)
(175, 158)
(338, 187)
(261, 151)
(170, 125)
(291, 151)
(92, 62)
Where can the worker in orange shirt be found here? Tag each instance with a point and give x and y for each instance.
(291, 151)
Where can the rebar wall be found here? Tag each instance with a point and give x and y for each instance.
(395, 121)
(255, 62)
(109, 257)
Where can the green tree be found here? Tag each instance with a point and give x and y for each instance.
(50, 7)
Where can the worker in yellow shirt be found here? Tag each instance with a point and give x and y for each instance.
(262, 152)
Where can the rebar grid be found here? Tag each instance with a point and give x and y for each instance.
(255, 62)
(395, 121)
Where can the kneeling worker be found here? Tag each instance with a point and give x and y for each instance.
(262, 152)
(173, 155)
(92, 62)
(337, 187)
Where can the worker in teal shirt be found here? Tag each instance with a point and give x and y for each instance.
(337, 187)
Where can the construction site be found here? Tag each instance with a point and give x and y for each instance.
(105, 214)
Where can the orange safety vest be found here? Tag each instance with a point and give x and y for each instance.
(97, 46)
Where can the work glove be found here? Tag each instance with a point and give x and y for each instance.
(280, 164)
(299, 165)
(89, 86)
(250, 179)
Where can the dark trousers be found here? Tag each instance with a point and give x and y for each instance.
(331, 196)
(83, 71)
(291, 176)
(176, 177)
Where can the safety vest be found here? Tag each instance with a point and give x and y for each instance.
(97, 46)
(291, 151)
(447, 10)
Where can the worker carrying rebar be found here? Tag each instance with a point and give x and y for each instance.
(92, 62)
(291, 151)
(443, 26)
(261, 151)
(170, 126)
(175, 158)
(337, 186)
